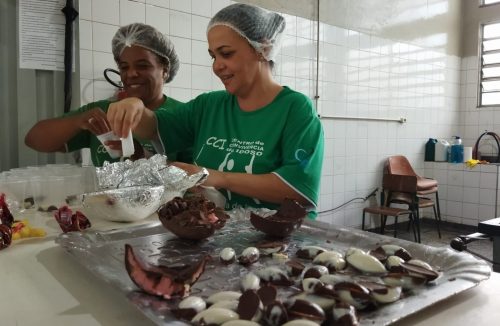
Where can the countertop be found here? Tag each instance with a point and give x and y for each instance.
(43, 285)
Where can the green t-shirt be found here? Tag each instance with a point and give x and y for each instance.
(285, 138)
(86, 139)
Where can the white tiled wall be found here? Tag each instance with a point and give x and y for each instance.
(360, 75)
(466, 196)
(473, 120)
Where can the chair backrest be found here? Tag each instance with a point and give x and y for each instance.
(400, 183)
(398, 165)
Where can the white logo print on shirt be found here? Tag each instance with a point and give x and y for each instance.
(236, 151)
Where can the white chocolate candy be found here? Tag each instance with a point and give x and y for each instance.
(223, 295)
(331, 259)
(227, 304)
(217, 316)
(353, 250)
(240, 322)
(393, 261)
(250, 281)
(193, 302)
(366, 263)
(308, 284)
(323, 302)
(300, 322)
(393, 294)
(227, 254)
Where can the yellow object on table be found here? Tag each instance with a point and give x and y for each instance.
(472, 163)
(22, 229)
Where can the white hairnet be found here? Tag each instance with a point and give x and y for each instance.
(262, 28)
(147, 37)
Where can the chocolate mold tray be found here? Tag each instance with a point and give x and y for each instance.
(103, 254)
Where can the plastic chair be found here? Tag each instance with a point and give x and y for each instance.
(395, 184)
(400, 165)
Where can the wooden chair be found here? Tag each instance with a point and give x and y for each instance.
(396, 184)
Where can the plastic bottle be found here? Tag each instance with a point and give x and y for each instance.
(430, 148)
(441, 153)
(456, 151)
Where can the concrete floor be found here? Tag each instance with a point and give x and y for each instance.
(449, 231)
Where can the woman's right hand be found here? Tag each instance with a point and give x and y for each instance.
(125, 115)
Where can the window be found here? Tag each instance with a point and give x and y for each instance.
(489, 76)
(489, 2)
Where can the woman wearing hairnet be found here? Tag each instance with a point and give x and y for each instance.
(146, 60)
(261, 142)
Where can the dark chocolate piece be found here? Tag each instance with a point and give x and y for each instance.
(267, 294)
(192, 217)
(248, 305)
(288, 218)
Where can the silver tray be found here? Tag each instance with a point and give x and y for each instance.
(103, 254)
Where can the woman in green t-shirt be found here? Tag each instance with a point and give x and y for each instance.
(146, 60)
(261, 142)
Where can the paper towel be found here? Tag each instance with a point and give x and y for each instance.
(467, 153)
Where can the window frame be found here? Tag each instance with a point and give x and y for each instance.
(482, 4)
(481, 65)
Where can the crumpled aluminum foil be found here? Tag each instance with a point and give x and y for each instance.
(147, 172)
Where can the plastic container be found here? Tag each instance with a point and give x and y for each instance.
(456, 151)
(441, 152)
(430, 150)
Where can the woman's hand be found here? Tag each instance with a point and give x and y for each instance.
(95, 121)
(267, 187)
(125, 115)
(214, 177)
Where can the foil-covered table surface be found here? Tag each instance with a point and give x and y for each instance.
(103, 254)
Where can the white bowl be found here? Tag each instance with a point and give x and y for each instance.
(128, 204)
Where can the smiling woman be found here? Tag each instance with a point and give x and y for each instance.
(261, 141)
(147, 60)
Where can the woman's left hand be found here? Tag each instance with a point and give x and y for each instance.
(214, 177)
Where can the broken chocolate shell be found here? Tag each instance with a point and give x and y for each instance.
(288, 218)
(193, 217)
(161, 280)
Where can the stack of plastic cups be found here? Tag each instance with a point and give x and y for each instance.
(14, 185)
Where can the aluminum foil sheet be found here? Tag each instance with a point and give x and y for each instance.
(103, 254)
(133, 190)
(146, 172)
